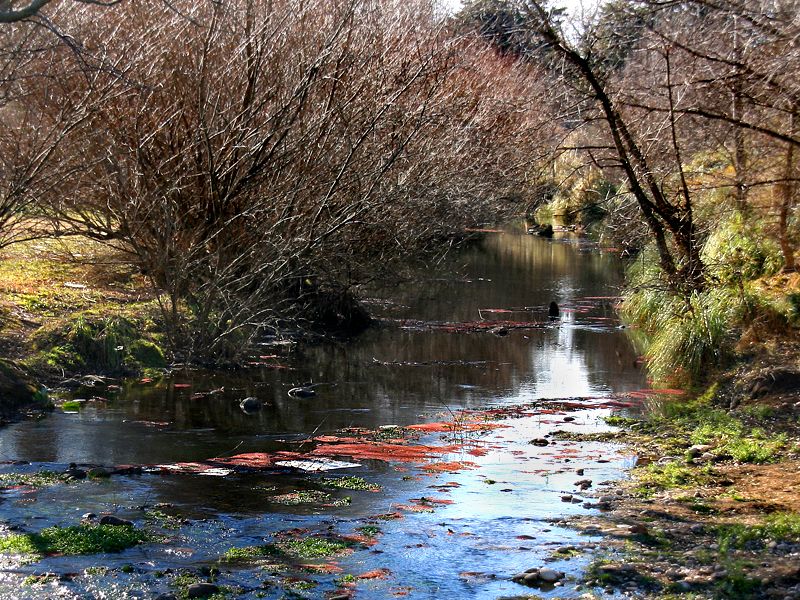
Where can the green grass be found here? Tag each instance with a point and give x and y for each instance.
(80, 539)
(654, 477)
(778, 527)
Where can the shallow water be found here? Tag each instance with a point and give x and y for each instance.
(424, 364)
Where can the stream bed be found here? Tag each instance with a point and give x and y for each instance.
(440, 419)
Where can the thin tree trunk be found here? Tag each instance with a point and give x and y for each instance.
(785, 200)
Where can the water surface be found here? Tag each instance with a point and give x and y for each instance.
(426, 362)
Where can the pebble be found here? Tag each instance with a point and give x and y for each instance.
(202, 590)
(579, 472)
(566, 498)
(540, 442)
(583, 483)
(697, 450)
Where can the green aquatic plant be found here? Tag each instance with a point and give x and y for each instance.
(250, 552)
(79, 539)
(38, 479)
(369, 530)
(350, 483)
(312, 547)
(71, 406)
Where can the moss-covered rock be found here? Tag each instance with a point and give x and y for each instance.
(19, 391)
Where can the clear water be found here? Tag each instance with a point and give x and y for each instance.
(414, 369)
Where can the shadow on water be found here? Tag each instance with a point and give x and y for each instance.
(395, 374)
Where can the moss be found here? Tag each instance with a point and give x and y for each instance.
(39, 479)
(71, 406)
(80, 539)
(369, 530)
(350, 483)
(617, 421)
(147, 354)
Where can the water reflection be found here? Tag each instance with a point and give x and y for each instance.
(389, 375)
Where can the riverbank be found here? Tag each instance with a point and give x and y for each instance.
(712, 509)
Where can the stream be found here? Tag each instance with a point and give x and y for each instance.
(467, 345)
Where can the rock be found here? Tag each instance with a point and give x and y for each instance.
(73, 472)
(567, 498)
(302, 392)
(531, 578)
(112, 520)
(552, 310)
(550, 575)
(638, 529)
(579, 472)
(569, 419)
(665, 460)
(88, 516)
(697, 529)
(697, 450)
(99, 473)
(250, 405)
(202, 590)
(583, 483)
(19, 391)
(539, 442)
(500, 331)
(167, 596)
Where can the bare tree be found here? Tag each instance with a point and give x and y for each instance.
(257, 159)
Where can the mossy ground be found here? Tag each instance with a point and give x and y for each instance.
(69, 307)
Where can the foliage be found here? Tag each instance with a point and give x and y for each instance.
(688, 337)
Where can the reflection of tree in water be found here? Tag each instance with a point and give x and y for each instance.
(461, 369)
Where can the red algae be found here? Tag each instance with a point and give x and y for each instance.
(449, 467)
(376, 574)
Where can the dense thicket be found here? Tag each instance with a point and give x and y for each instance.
(257, 158)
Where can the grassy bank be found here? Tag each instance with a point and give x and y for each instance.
(712, 509)
(70, 308)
